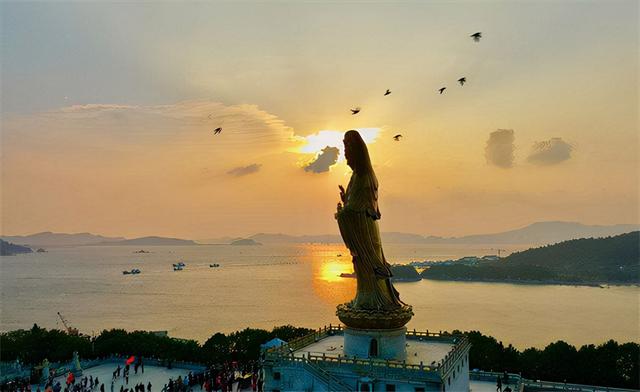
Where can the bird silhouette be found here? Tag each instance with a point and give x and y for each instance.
(387, 92)
(397, 137)
(217, 131)
(476, 36)
(462, 81)
(355, 111)
(442, 89)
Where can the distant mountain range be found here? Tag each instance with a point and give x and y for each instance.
(150, 241)
(49, 239)
(534, 234)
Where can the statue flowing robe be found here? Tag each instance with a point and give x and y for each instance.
(358, 222)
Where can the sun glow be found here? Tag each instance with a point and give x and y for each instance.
(331, 270)
(321, 139)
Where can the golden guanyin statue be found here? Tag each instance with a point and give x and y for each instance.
(377, 304)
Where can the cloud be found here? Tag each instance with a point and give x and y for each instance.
(94, 108)
(325, 159)
(550, 152)
(244, 170)
(500, 148)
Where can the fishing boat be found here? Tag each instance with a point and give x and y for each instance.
(214, 265)
(134, 271)
(178, 267)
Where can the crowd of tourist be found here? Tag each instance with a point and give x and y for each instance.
(17, 385)
(228, 377)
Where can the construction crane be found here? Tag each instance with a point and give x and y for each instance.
(70, 329)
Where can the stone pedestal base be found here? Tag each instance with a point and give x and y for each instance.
(376, 343)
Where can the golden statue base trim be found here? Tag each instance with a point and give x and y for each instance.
(374, 319)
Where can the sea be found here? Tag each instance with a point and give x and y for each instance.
(298, 284)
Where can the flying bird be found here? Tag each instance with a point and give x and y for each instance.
(387, 92)
(462, 81)
(476, 36)
(217, 130)
(442, 89)
(355, 111)
(397, 137)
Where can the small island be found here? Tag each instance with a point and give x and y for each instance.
(404, 273)
(9, 249)
(245, 241)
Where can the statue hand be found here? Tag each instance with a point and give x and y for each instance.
(343, 195)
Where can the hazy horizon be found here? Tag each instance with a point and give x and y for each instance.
(108, 110)
(336, 233)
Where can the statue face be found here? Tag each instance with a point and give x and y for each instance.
(347, 151)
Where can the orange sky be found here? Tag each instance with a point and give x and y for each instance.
(106, 123)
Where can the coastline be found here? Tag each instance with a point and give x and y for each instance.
(600, 284)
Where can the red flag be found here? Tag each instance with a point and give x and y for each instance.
(131, 360)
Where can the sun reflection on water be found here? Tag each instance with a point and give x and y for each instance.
(329, 261)
(331, 269)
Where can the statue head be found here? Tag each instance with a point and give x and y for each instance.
(356, 153)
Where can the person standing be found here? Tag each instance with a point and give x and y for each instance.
(499, 384)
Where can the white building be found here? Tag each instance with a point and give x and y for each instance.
(347, 359)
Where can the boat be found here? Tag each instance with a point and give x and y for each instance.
(214, 265)
(133, 271)
(181, 264)
(177, 267)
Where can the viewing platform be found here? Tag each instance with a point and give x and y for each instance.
(318, 362)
